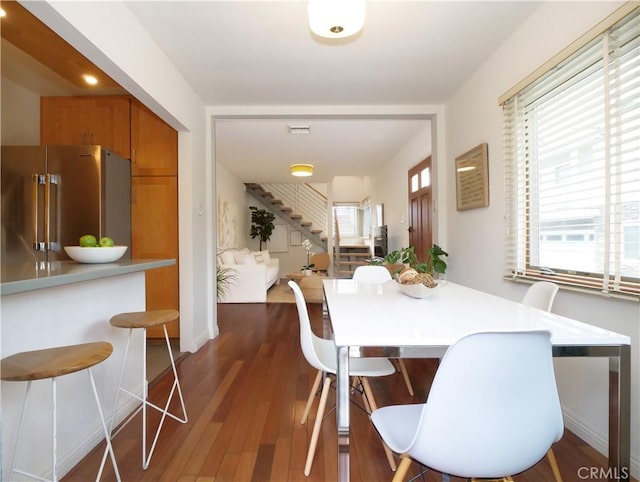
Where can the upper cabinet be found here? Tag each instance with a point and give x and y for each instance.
(154, 144)
(101, 121)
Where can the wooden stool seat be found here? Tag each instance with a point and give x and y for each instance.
(144, 319)
(53, 362)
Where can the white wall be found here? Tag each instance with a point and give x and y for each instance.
(20, 115)
(109, 35)
(475, 237)
(232, 217)
(389, 186)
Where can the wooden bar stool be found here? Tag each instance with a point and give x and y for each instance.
(144, 320)
(52, 363)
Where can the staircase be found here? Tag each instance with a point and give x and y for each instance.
(346, 258)
(287, 200)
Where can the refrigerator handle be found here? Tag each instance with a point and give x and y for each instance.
(38, 179)
(51, 179)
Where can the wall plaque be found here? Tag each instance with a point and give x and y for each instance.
(472, 179)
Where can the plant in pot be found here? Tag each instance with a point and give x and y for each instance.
(307, 269)
(436, 263)
(225, 277)
(261, 224)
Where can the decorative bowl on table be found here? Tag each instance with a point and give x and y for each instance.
(96, 254)
(418, 290)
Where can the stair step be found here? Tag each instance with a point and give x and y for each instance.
(306, 224)
(353, 263)
(267, 194)
(277, 201)
(355, 255)
(286, 209)
(316, 231)
(296, 216)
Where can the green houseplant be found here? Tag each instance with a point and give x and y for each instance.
(225, 277)
(396, 260)
(261, 224)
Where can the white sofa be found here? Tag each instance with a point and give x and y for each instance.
(252, 272)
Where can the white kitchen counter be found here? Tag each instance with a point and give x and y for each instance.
(63, 303)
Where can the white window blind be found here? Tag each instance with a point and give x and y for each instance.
(572, 152)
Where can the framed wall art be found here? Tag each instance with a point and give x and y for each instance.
(472, 179)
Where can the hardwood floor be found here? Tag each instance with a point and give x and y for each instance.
(245, 392)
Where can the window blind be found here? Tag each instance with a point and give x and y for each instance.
(572, 173)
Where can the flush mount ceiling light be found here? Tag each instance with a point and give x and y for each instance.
(90, 79)
(302, 170)
(336, 18)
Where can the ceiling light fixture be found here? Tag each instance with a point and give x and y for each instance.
(302, 170)
(336, 18)
(90, 79)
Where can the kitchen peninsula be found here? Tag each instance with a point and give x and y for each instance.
(57, 303)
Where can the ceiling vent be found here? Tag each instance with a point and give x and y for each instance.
(299, 130)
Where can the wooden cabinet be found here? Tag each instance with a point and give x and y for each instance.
(154, 217)
(101, 121)
(128, 128)
(154, 144)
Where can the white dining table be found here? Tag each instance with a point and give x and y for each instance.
(369, 320)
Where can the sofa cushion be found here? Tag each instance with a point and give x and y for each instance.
(228, 257)
(245, 259)
(239, 254)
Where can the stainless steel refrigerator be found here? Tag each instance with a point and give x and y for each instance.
(52, 195)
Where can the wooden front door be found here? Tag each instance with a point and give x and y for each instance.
(420, 208)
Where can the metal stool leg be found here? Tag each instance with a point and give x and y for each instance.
(25, 401)
(165, 411)
(146, 459)
(115, 405)
(107, 435)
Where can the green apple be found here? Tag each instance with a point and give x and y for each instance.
(105, 242)
(88, 241)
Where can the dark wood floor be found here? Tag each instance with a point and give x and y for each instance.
(245, 392)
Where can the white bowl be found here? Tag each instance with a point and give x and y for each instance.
(419, 290)
(95, 255)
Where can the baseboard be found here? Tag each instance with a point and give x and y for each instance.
(594, 438)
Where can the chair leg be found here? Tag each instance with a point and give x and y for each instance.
(554, 465)
(405, 375)
(374, 406)
(312, 394)
(405, 462)
(316, 426)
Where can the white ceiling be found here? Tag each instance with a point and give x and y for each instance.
(261, 53)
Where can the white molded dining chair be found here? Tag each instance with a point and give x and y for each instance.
(371, 274)
(490, 418)
(380, 274)
(322, 355)
(541, 295)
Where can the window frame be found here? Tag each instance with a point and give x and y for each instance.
(521, 194)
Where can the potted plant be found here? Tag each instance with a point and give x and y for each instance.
(395, 261)
(262, 224)
(437, 264)
(307, 269)
(225, 277)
